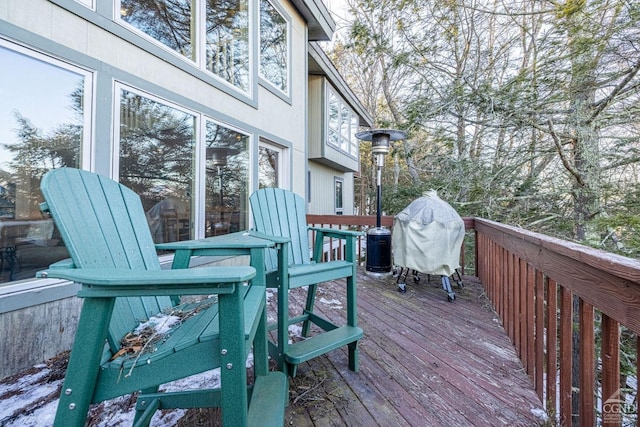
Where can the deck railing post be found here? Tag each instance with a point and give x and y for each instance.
(610, 355)
(566, 356)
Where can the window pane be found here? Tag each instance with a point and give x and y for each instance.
(353, 141)
(168, 21)
(227, 180)
(334, 138)
(273, 46)
(338, 194)
(42, 118)
(268, 167)
(334, 106)
(344, 128)
(227, 41)
(157, 147)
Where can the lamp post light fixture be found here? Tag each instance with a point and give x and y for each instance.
(379, 238)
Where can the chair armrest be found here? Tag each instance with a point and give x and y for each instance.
(111, 282)
(349, 236)
(63, 263)
(239, 240)
(336, 232)
(274, 239)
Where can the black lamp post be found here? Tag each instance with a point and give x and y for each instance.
(379, 238)
(218, 156)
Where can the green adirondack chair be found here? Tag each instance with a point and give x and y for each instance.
(113, 256)
(282, 213)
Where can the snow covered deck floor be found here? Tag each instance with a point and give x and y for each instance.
(423, 362)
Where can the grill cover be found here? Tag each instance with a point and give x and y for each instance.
(427, 236)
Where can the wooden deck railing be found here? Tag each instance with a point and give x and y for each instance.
(564, 306)
(362, 223)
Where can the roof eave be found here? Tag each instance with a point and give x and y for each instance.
(320, 64)
(319, 21)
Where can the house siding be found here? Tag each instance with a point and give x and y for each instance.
(68, 31)
(322, 197)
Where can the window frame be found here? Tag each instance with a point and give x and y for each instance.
(91, 4)
(199, 170)
(263, 79)
(200, 179)
(199, 44)
(86, 146)
(89, 92)
(283, 164)
(346, 143)
(338, 187)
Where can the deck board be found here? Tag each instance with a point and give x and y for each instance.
(423, 362)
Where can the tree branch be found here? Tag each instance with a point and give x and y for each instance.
(563, 155)
(603, 104)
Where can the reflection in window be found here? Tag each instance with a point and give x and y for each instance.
(274, 52)
(353, 141)
(268, 167)
(168, 21)
(157, 148)
(227, 179)
(42, 127)
(227, 41)
(345, 121)
(342, 124)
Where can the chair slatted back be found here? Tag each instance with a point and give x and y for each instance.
(103, 224)
(282, 213)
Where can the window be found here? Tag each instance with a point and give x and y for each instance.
(270, 165)
(168, 21)
(156, 160)
(227, 179)
(222, 40)
(274, 46)
(339, 208)
(342, 125)
(227, 41)
(44, 124)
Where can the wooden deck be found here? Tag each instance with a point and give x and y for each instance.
(423, 362)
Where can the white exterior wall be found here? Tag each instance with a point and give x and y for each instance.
(323, 192)
(55, 31)
(274, 117)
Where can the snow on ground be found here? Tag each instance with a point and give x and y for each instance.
(31, 400)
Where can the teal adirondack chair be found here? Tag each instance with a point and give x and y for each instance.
(113, 256)
(282, 213)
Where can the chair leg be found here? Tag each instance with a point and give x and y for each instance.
(143, 418)
(311, 299)
(352, 320)
(84, 362)
(354, 359)
(283, 328)
(260, 347)
(233, 373)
